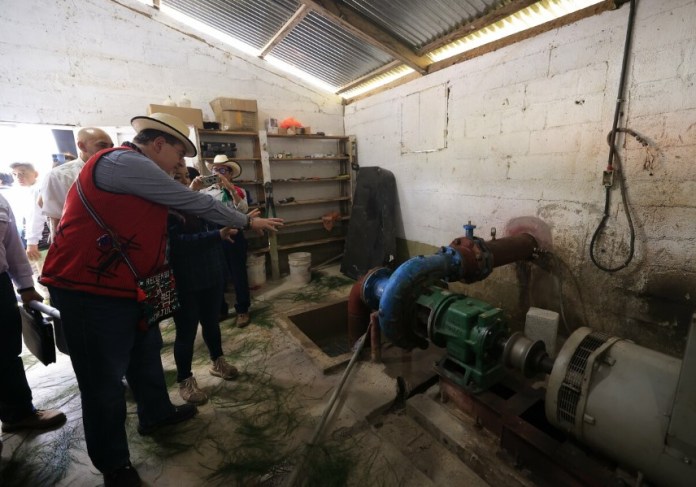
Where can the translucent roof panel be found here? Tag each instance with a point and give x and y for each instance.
(341, 43)
(251, 21)
(418, 22)
(327, 52)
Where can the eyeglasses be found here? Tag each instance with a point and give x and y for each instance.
(222, 170)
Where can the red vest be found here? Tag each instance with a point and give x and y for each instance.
(81, 257)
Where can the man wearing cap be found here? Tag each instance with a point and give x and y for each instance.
(130, 190)
(236, 251)
(55, 186)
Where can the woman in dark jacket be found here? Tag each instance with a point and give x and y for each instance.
(198, 263)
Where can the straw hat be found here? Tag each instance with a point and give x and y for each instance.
(168, 124)
(223, 159)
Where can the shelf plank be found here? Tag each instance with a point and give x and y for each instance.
(307, 136)
(311, 180)
(293, 159)
(236, 159)
(227, 133)
(312, 221)
(310, 243)
(313, 202)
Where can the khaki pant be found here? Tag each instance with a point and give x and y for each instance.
(36, 268)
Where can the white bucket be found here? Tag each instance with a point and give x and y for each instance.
(256, 270)
(299, 267)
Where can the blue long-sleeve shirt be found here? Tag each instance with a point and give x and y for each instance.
(13, 258)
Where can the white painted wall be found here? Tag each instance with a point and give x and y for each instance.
(526, 135)
(101, 62)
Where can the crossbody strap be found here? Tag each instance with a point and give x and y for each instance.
(115, 242)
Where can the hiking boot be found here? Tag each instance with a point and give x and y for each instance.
(38, 420)
(180, 413)
(125, 476)
(189, 391)
(243, 319)
(222, 369)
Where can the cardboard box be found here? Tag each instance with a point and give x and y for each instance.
(190, 116)
(220, 105)
(236, 114)
(237, 120)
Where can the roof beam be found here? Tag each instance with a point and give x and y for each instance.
(525, 34)
(368, 31)
(372, 74)
(296, 18)
(490, 18)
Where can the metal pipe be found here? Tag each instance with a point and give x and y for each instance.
(404, 286)
(358, 312)
(467, 259)
(375, 340)
(292, 480)
(511, 249)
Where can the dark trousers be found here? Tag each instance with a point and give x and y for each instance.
(197, 306)
(236, 260)
(105, 344)
(15, 395)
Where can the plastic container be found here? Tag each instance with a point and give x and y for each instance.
(256, 270)
(299, 263)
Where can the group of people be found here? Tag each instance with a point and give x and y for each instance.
(124, 205)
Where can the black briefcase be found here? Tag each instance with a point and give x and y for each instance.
(38, 335)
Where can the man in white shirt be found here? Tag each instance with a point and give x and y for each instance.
(55, 186)
(30, 222)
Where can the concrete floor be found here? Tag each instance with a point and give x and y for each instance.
(254, 429)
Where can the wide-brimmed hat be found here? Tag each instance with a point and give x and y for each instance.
(169, 124)
(223, 159)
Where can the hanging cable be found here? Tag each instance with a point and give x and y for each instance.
(614, 163)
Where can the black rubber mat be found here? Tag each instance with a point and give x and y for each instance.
(371, 239)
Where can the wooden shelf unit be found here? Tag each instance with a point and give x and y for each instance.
(315, 171)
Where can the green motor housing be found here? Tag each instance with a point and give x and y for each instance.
(473, 333)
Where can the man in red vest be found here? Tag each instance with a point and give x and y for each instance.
(129, 190)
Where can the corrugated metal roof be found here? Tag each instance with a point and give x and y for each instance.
(418, 22)
(251, 21)
(327, 52)
(343, 42)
